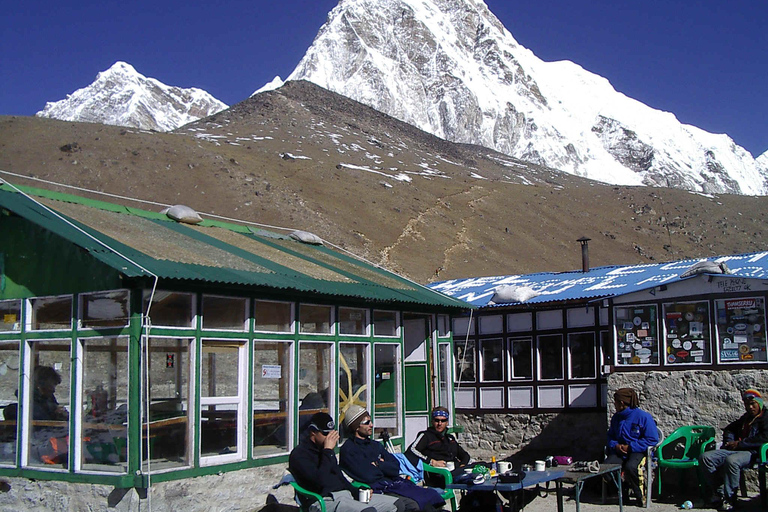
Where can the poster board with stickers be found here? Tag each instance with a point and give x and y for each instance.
(637, 341)
(687, 333)
(741, 330)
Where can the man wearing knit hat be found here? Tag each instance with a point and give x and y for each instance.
(741, 441)
(367, 461)
(313, 464)
(631, 432)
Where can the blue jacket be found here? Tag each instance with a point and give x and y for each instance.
(633, 427)
(366, 460)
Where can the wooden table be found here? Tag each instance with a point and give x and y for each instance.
(577, 478)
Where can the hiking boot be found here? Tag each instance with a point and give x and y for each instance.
(726, 506)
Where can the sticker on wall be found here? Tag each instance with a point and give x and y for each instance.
(642, 333)
(169, 360)
(637, 321)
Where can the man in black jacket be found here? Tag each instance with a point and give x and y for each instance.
(741, 441)
(313, 464)
(435, 446)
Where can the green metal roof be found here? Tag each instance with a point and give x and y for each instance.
(140, 243)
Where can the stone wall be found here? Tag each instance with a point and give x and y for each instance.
(528, 437)
(237, 491)
(695, 397)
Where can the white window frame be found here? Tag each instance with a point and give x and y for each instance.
(194, 316)
(290, 417)
(246, 312)
(511, 359)
(29, 313)
(367, 322)
(293, 321)
(481, 356)
(241, 401)
(81, 300)
(331, 324)
(570, 355)
(539, 358)
(398, 324)
(399, 399)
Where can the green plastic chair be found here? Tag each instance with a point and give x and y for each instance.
(687, 443)
(448, 495)
(307, 495)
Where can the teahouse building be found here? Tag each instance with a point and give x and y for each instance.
(196, 347)
(542, 346)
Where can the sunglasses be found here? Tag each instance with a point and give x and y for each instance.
(439, 420)
(366, 422)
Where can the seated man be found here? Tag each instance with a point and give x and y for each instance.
(741, 441)
(436, 447)
(631, 432)
(313, 464)
(366, 460)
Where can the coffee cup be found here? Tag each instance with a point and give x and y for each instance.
(364, 495)
(540, 465)
(468, 470)
(505, 467)
(450, 466)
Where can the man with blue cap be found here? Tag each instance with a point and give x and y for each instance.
(436, 447)
(742, 440)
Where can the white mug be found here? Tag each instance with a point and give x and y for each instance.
(365, 495)
(540, 465)
(505, 467)
(450, 466)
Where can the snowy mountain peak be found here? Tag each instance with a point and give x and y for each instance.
(124, 97)
(452, 69)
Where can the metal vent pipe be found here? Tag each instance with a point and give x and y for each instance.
(584, 253)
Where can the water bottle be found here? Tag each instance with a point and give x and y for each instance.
(687, 505)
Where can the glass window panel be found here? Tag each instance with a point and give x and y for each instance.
(315, 319)
(549, 319)
(519, 322)
(741, 330)
(581, 317)
(273, 316)
(493, 360)
(225, 313)
(636, 335)
(171, 309)
(10, 315)
(385, 323)
(49, 313)
(49, 403)
(387, 394)
(491, 324)
(220, 397)
(416, 334)
(104, 434)
(353, 321)
(466, 368)
(9, 380)
(315, 371)
(521, 356)
(606, 350)
(446, 379)
(581, 351)
(686, 333)
(105, 309)
(550, 357)
(461, 325)
(169, 395)
(353, 376)
(443, 325)
(272, 377)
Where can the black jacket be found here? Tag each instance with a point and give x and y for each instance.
(358, 456)
(756, 435)
(316, 469)
(431, 445)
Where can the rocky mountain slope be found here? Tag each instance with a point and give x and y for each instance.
(450, 68)
(301, 157)
(122, 96)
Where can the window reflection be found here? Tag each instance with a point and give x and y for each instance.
(272, 377)
(105, 404)
(386, 408)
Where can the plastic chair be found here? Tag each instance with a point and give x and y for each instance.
(448, 494)
(743, 481)
(688, 443)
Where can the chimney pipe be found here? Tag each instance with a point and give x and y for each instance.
(584, 253)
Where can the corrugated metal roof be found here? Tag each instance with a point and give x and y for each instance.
(600, 282)
(141, 243)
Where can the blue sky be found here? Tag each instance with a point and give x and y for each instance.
(705, 61)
